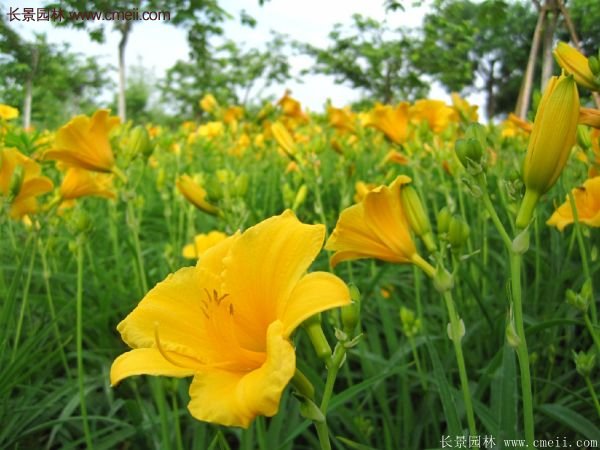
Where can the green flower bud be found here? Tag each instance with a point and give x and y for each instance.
(411, 325)
(240, 185)
(521, 243)
(350, 314)
(584, 362)
(442, 280)
(469, 152)
(16, 181)
(140, 141)
(458, 232)
(313, 328)
(417, 216)
(443, 220)
(300, 197)
(594, 65)
(584, 139)
(458, 334)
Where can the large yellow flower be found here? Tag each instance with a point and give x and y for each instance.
(83, 183)
(83, 142)
(587, 204)
(202, 242)
(576, 63)
(342, 119)
(393, 122)
(8, 112)
(21, 182)
(195, 194)
(435, 112)
(227, 321)
(376, 227)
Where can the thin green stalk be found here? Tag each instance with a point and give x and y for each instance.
(175, 406)
(583, 254)
(25, 300)
(332, 369)
(323, 434)
(592, 331)
(79, 343)
(261, 434)
(456, 333)
(46, 277)
(158, 391)
(522, 352)
(135, 228)
(415, 354)
(590, 387)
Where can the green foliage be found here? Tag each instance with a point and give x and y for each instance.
(230, 73)
(372, 58)
(466, 41)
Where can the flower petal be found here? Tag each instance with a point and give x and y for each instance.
(314, 293)
(145, 361)
(236, 398)
(263, 267)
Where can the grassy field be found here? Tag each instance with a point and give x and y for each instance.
(437, 357)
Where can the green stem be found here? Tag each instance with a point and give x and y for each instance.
(487, 202)
(456, 336)
(522, 352)
(592, 331)
(332, 369)
(25, 299)
(134, 226)
(79, 343)
(583, 254)
(46, 276)
(590, 387)
(323, 433)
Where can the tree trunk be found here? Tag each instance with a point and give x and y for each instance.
(29, 88)
(525, 93)
(490, 104)
(548, 59)
(125, 29)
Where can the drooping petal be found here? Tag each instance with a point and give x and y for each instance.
(385, 216)
(352, 238)
(145, 361)
(314, 293)
(236, 398)
(263, 267)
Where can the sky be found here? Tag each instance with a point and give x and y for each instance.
(158, 46)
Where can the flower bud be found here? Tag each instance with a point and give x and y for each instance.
(443, 220)
(411, 325)
(140, 141)
(575, 63)
(458, 232)
(553, 136)
(584, 362)
(300, 197)
(594, 65)
(417, 216)
(442, 280)
(456, 335)
(351, 313)
(313, 328)
(16, 181)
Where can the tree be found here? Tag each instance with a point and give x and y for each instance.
(229, 72)
(466, 41)
(50, 82)
(202, 17)
(372, 58)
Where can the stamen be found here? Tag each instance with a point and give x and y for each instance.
(161, 350)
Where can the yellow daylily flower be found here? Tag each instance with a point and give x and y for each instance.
(396, 157)
(587, 204)
(589, 117)
(291, 107)
(208, 103)
(284, 138)
(83, 183)
(83, 142)
(195, 194)
(393, 122)
(211, 130)
(361, 189)
(233, 114)
(21, 182)
(227, 321)
(575, 63)
(202, 242)
(435, 112)
(8, 112)
(464, 110)
(376, 227)
(514, 125)
(342, 119)
(553, 136)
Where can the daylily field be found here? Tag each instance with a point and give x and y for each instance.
(400, 277)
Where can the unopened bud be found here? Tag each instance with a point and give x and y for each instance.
(140, 141)
(300, 197)
(584, 139)
(16, 181)
(240, 185)
(443, 220)
(458, 232)
(313, 328)
(469, 152)
(521, 243)
(411, 325)
(351, 313)
(442, 280)
(458, 334)
(417, 216)
(584, 362)
(594, 65)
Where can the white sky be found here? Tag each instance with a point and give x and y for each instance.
(159, 45)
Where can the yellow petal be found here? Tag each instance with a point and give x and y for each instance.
(263, 267)
(145, 361)
(236, 398)
(352, 239)
(314, 293)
